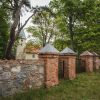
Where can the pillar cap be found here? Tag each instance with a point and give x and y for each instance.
(86, 53)
(95, 54)
(49, 49)
(67, 51)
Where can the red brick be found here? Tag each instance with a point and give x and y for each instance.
(51, 69)
(69, 66)
(88, 62)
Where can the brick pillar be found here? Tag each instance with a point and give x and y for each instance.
(51, 69)
(68, 66)
(87, 58)
(95, 61)
(50, 56)
(68, 60)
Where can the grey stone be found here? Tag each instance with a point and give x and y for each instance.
(1, 88)
(0, 77)
(6, 75)
(41, 76)
(1, 69)
(6, 67)
(34, 67)
(12, 80)
(14, 90)
(22, 75)
(41, 70)
(39, 83)
(16, 69)
(6, 89)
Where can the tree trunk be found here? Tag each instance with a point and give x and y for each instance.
(8, 54)
(71, 31)
(15, 25)
(11, 41)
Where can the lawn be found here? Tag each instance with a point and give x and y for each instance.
(84, 87)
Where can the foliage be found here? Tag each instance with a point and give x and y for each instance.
(14, 7)
(88, 35)
(31, 44)
(78, 21)
(3, 31)
(44, 28)
(73, 23)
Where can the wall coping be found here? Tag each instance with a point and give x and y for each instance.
(49, 49)
(67, 54)
(48, 55)
(27, 62)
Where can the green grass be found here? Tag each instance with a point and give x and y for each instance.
(84, 87)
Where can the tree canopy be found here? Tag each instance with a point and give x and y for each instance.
(44, 26)
(79, 21)
(3, 31)
(72, 23)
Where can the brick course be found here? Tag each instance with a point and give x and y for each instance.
(69, 66)
(51, 69)
(95, 61)
(88, 62)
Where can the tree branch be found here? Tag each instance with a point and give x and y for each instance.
(8, 8)
(51, 33)
(11, 2)
(24, 25)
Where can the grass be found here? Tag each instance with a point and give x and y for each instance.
(84, 87)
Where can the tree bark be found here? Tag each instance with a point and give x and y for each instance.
(13, 33)
(9, 49)
(11, 39)
(71, 30)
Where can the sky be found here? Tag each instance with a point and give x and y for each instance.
(39, 2)
(33, 3)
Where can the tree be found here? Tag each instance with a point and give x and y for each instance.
(81, 25)
(68, 9)
(30, 44)
(44, 28)
(3, 31)
(14, 7)
(88, 35)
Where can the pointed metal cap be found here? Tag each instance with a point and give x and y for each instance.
(49, 49)
(67, 51)
(95, 54)
(86, 53)
(22, 34)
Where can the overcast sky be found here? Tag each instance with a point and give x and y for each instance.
(33, 3)
(39, 2)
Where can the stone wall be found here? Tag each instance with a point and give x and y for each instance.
(18, 76)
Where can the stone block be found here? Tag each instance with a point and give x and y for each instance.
(16, 75)
(16, 69)
(6, 75)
